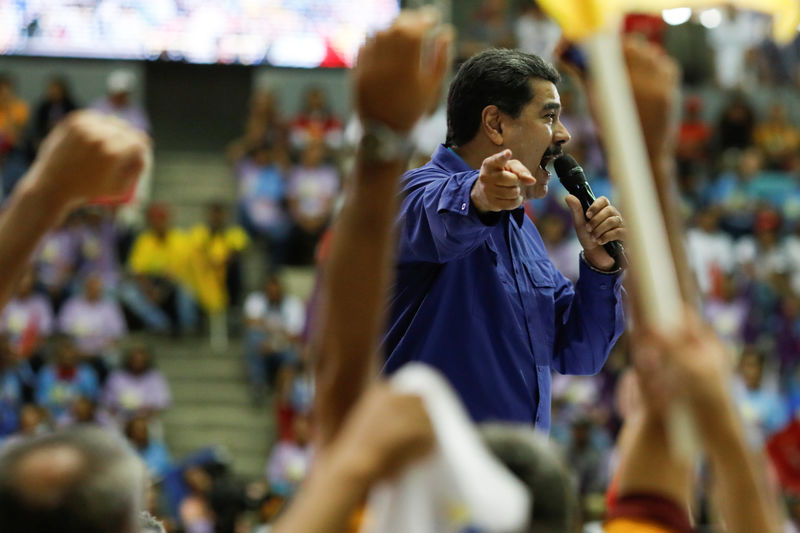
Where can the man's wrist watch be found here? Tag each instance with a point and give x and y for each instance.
(381, 144)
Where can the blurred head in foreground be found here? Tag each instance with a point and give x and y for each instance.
(534, 461)
(82, 480)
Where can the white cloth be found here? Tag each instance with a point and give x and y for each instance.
(460, 487)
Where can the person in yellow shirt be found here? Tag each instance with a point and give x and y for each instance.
(777, 138)
(159, 289)
(214, 269)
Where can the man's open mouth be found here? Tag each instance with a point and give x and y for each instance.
(549, 155)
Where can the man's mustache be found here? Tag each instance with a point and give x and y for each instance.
(553, 150)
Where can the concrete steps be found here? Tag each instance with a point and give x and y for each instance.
(211, 404)
(188, 181)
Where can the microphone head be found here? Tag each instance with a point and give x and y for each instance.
(564, 164)
(569, 172)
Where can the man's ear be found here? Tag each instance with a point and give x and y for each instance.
(492, 124)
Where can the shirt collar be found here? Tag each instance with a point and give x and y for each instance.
(447, 159)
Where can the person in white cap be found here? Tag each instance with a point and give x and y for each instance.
(118, 101)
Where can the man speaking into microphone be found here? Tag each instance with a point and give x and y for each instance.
(476, 295)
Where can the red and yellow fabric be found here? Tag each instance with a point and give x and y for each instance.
(580, 18)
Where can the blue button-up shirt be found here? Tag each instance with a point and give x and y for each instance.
(480, 300)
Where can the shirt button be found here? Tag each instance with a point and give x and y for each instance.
(463, 206)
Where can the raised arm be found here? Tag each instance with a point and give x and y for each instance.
(397, 78)
(87, 156)
(693, 365)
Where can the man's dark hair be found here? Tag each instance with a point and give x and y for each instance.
(534, 461)
(493, 77)
(83, 480)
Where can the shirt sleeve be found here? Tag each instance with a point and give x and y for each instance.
(438, 222)
(589, 320)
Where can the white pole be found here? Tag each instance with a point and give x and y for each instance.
(648, 246)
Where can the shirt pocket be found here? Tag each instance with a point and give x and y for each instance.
(541, 307)
(503, 274)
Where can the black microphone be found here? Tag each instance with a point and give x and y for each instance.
(571, 176)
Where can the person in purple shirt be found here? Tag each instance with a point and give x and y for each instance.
(95, 322)
(97, 244)
(61, 383)
(136, 388)
(27, 319)
(476, 295)
(56, 261)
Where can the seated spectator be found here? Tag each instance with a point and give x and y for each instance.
(311, 192)
(153, 452)
(736, 124)
(731, 192)
(13, 119)
(777, 138)
(316, 123)
(290, 459)
(727, 311)
(195, 510)
(136, 388)
(118, 101)
(98, 246)
(262, 195)
(57, 260)
(96, 323)
(710, 251)
(694, 137)
(27, 320)
(274, 322)
(490, 26)
(264, 126)
(160, 283)
(762, 253)
(792, 387)
(295, 394)
(791, 246)
(589, 462)
(56, 104)
(10, 391)
(60, 383)
(762, 409)
(787, 332)
(217, 248)
(33, 421)
(535, 32)
(85, 411)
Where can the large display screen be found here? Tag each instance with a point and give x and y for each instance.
(290, 33)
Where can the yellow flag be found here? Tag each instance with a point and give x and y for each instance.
(580, 18)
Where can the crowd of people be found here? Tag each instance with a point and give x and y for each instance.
(65, 359)
(107, 271)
